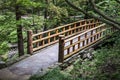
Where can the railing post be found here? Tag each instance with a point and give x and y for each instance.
(91, 39)
(61, 49)
(29, 42)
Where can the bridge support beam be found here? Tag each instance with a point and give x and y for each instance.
(61, 49)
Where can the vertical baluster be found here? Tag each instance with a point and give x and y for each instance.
(86, 38)
(85, 35)
(79, 42)
(40, 36)
(89, 24)
(95, 37)
(85, 25)
(83, 43)
(56, 33)
(75, 28)
(68, 51)
(64, 31)
(43, 42)
(73, 47)
(82, 28)
(54, 38)
(100, 31)
(98, 35)
(70, 32)
(37, 43)
(71, 42)
(91, 36)
(79, 29)
(49, 36)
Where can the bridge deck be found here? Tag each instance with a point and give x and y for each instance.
(31, 65)
(41, 60)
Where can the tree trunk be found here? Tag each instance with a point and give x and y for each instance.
(19, 33)
(86, 10)
(45, 16)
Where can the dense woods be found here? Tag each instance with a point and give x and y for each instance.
(19, 16)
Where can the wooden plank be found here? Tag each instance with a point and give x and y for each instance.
(48, 36)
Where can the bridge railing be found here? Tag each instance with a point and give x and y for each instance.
(46, 38)
(69, 47)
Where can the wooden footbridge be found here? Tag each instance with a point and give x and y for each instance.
(71, 38)
(58, 44)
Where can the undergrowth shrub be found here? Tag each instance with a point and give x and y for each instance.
(55, 74)
(105, 65)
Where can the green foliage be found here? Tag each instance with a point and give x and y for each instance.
(56, 15)
(110, 8)
(7, 31)
(105, 65)
(53, 75)
(3, 48)
(108, 64)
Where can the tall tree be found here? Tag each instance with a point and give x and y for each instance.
(96, 13)
(19, 31)
(46, 15)
(18, 8)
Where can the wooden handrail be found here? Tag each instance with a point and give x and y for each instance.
(85, 32)
(43, 39)
(50, 36)
(95, 34)
(82, 40)
(61, 27)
